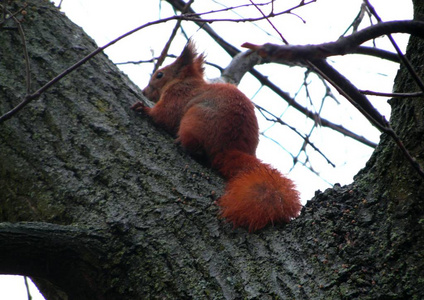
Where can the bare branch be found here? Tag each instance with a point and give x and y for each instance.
(296, 159)
(380, 53)
(276, 119)
(22, 35)
(397, 95)
(350, 92)
(196, 17)
(404, 60)
(226, 8)
(344, 45)
(242, 63)
(269, 21)
(171, 38)
(27, 288)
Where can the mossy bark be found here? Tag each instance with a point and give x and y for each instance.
(97, 203)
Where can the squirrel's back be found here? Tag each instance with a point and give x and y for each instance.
(218, 118)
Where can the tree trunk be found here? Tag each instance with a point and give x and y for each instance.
(97, 203)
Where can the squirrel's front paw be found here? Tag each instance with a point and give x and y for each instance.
(139, 106)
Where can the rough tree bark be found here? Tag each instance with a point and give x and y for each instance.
(96, 203)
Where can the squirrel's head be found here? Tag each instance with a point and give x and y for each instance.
(188, 65)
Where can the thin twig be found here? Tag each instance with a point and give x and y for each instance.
(12, 15)
(195, 16)
(279, 120)
(27, 288)
(191, 15)
(403, 58)
(26, 56)
(351, 93)
(392, 95)
(296, 159)
(233, 8)
(138, 62)
(358, 19)
(165, 49)
(267, 18)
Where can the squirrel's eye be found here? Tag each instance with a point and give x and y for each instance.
(159, 75)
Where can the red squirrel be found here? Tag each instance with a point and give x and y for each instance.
(218, 122)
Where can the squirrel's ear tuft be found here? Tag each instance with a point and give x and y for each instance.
(190, 57)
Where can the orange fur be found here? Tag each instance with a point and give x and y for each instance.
(258, 195)
(218, 122)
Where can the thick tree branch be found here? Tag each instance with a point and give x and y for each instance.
(350, 92)
(348, 44)
(54, 252)
(242, 63)
(380, 53)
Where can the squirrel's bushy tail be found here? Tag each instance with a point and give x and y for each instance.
(256, 194)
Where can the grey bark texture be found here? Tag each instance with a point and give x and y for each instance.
(98, 203)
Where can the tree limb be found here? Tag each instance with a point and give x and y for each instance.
(289, 54)
(57, 253)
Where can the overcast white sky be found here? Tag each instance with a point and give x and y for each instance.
(325, 20)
